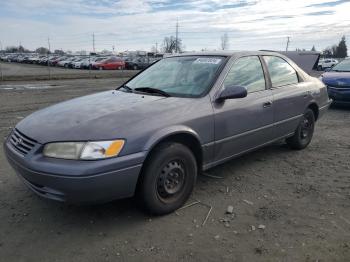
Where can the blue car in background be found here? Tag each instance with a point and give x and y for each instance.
(337, 80)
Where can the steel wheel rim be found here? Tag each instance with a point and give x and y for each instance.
(171, 180)
(306, 127)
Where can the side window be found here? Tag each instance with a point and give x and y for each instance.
(247, 72)
(281, 72)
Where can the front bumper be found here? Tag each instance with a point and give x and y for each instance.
(79, 182)
(339, 94)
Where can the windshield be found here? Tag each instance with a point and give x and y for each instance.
(343, 66)
(188, 76)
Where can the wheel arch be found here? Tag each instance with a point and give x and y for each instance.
(314, 107)
(180, 134)
(184, 136)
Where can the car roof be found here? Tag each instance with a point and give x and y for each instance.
(227, 53)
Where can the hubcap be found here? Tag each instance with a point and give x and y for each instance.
(306, 127)
(171, 179)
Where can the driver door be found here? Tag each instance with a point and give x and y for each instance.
(244, 123)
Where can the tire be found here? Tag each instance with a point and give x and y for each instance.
(135, 67)
(168, 178)
(304, 132)
(319, 68)
(101, 68)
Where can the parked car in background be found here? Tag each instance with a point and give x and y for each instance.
(326, 63)
(88, 64)
(79, 64)
(337, 80)
(137, 63)
(111, 63)
(73, 61)
(156, 132)
(65, 62)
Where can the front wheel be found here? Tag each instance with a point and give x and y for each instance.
(168, 178)
(304, 132)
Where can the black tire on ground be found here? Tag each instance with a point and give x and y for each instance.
(319, 68)
(168, 178)
(135, 67)
(304, 132)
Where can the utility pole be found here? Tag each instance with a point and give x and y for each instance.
(2, 76)
(93, 42)
(177, 35)
(48, 57)
(288, 41)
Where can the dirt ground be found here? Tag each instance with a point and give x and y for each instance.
(18, 71)
(287, 205)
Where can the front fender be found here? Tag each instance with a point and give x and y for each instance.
(169, 131)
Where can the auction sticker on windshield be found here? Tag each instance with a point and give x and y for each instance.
(207, 60)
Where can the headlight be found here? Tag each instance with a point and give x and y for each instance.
(84, 150)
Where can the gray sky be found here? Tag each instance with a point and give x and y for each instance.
(139, 24)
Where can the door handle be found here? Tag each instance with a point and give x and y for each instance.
(267, 104)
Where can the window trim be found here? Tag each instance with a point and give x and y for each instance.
(269, 75)
(262, 68)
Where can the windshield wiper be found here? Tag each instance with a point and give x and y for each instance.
(128, 89)
(152, 90)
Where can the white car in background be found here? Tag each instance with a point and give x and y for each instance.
(326, 63)
(79, 64)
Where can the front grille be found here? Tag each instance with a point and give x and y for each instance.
(21, 142)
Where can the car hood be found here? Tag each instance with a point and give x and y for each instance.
(336, 79)
(101, 116)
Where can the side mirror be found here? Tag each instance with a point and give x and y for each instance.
(232, 92)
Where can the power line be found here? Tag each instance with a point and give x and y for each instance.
(93, 42)
(288, 40)
(48, 57)
(177, 35)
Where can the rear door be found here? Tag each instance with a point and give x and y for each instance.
(244, 123)
(290, 96)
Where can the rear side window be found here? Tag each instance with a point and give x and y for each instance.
(246, 72)
(281, 72)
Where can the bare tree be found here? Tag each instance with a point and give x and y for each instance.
(224, 42)
(169, 45)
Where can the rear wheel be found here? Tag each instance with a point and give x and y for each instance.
(135, 67)
(304, 132)
(168, 178)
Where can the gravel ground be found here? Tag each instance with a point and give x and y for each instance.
(287, 205)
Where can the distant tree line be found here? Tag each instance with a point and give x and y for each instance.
(337, 51)
(40, 50)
